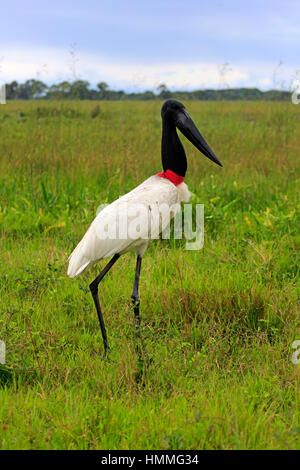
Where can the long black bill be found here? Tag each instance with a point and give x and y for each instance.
(186, 125)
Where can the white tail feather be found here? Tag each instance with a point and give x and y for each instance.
(78, 261)
(76, 268)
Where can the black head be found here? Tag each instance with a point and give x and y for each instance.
(170, 108)
(175, 115)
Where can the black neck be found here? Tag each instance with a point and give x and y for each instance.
(172, 152)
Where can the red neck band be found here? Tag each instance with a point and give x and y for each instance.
(173, 177)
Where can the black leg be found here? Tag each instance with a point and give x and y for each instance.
(94, 290)
(135, 292)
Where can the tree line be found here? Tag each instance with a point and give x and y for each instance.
(81, 90)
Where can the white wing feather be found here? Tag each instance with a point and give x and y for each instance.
(92, 248)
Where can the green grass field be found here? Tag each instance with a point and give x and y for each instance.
(211, 365)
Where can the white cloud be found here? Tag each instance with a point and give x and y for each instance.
(264, 82)
(54, 65)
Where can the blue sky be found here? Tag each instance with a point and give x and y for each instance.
(136, 45)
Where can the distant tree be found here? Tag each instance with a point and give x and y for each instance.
(164, 93)
(65, 88)
(31, 90)
(103, 90)
(60, 91)
(11, 90)
(148, 95)
(120, 94)
(80, 90)
(93, 94)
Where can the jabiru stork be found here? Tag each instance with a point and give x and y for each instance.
(167, 187)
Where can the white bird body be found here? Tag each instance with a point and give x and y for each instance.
(154, 191)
